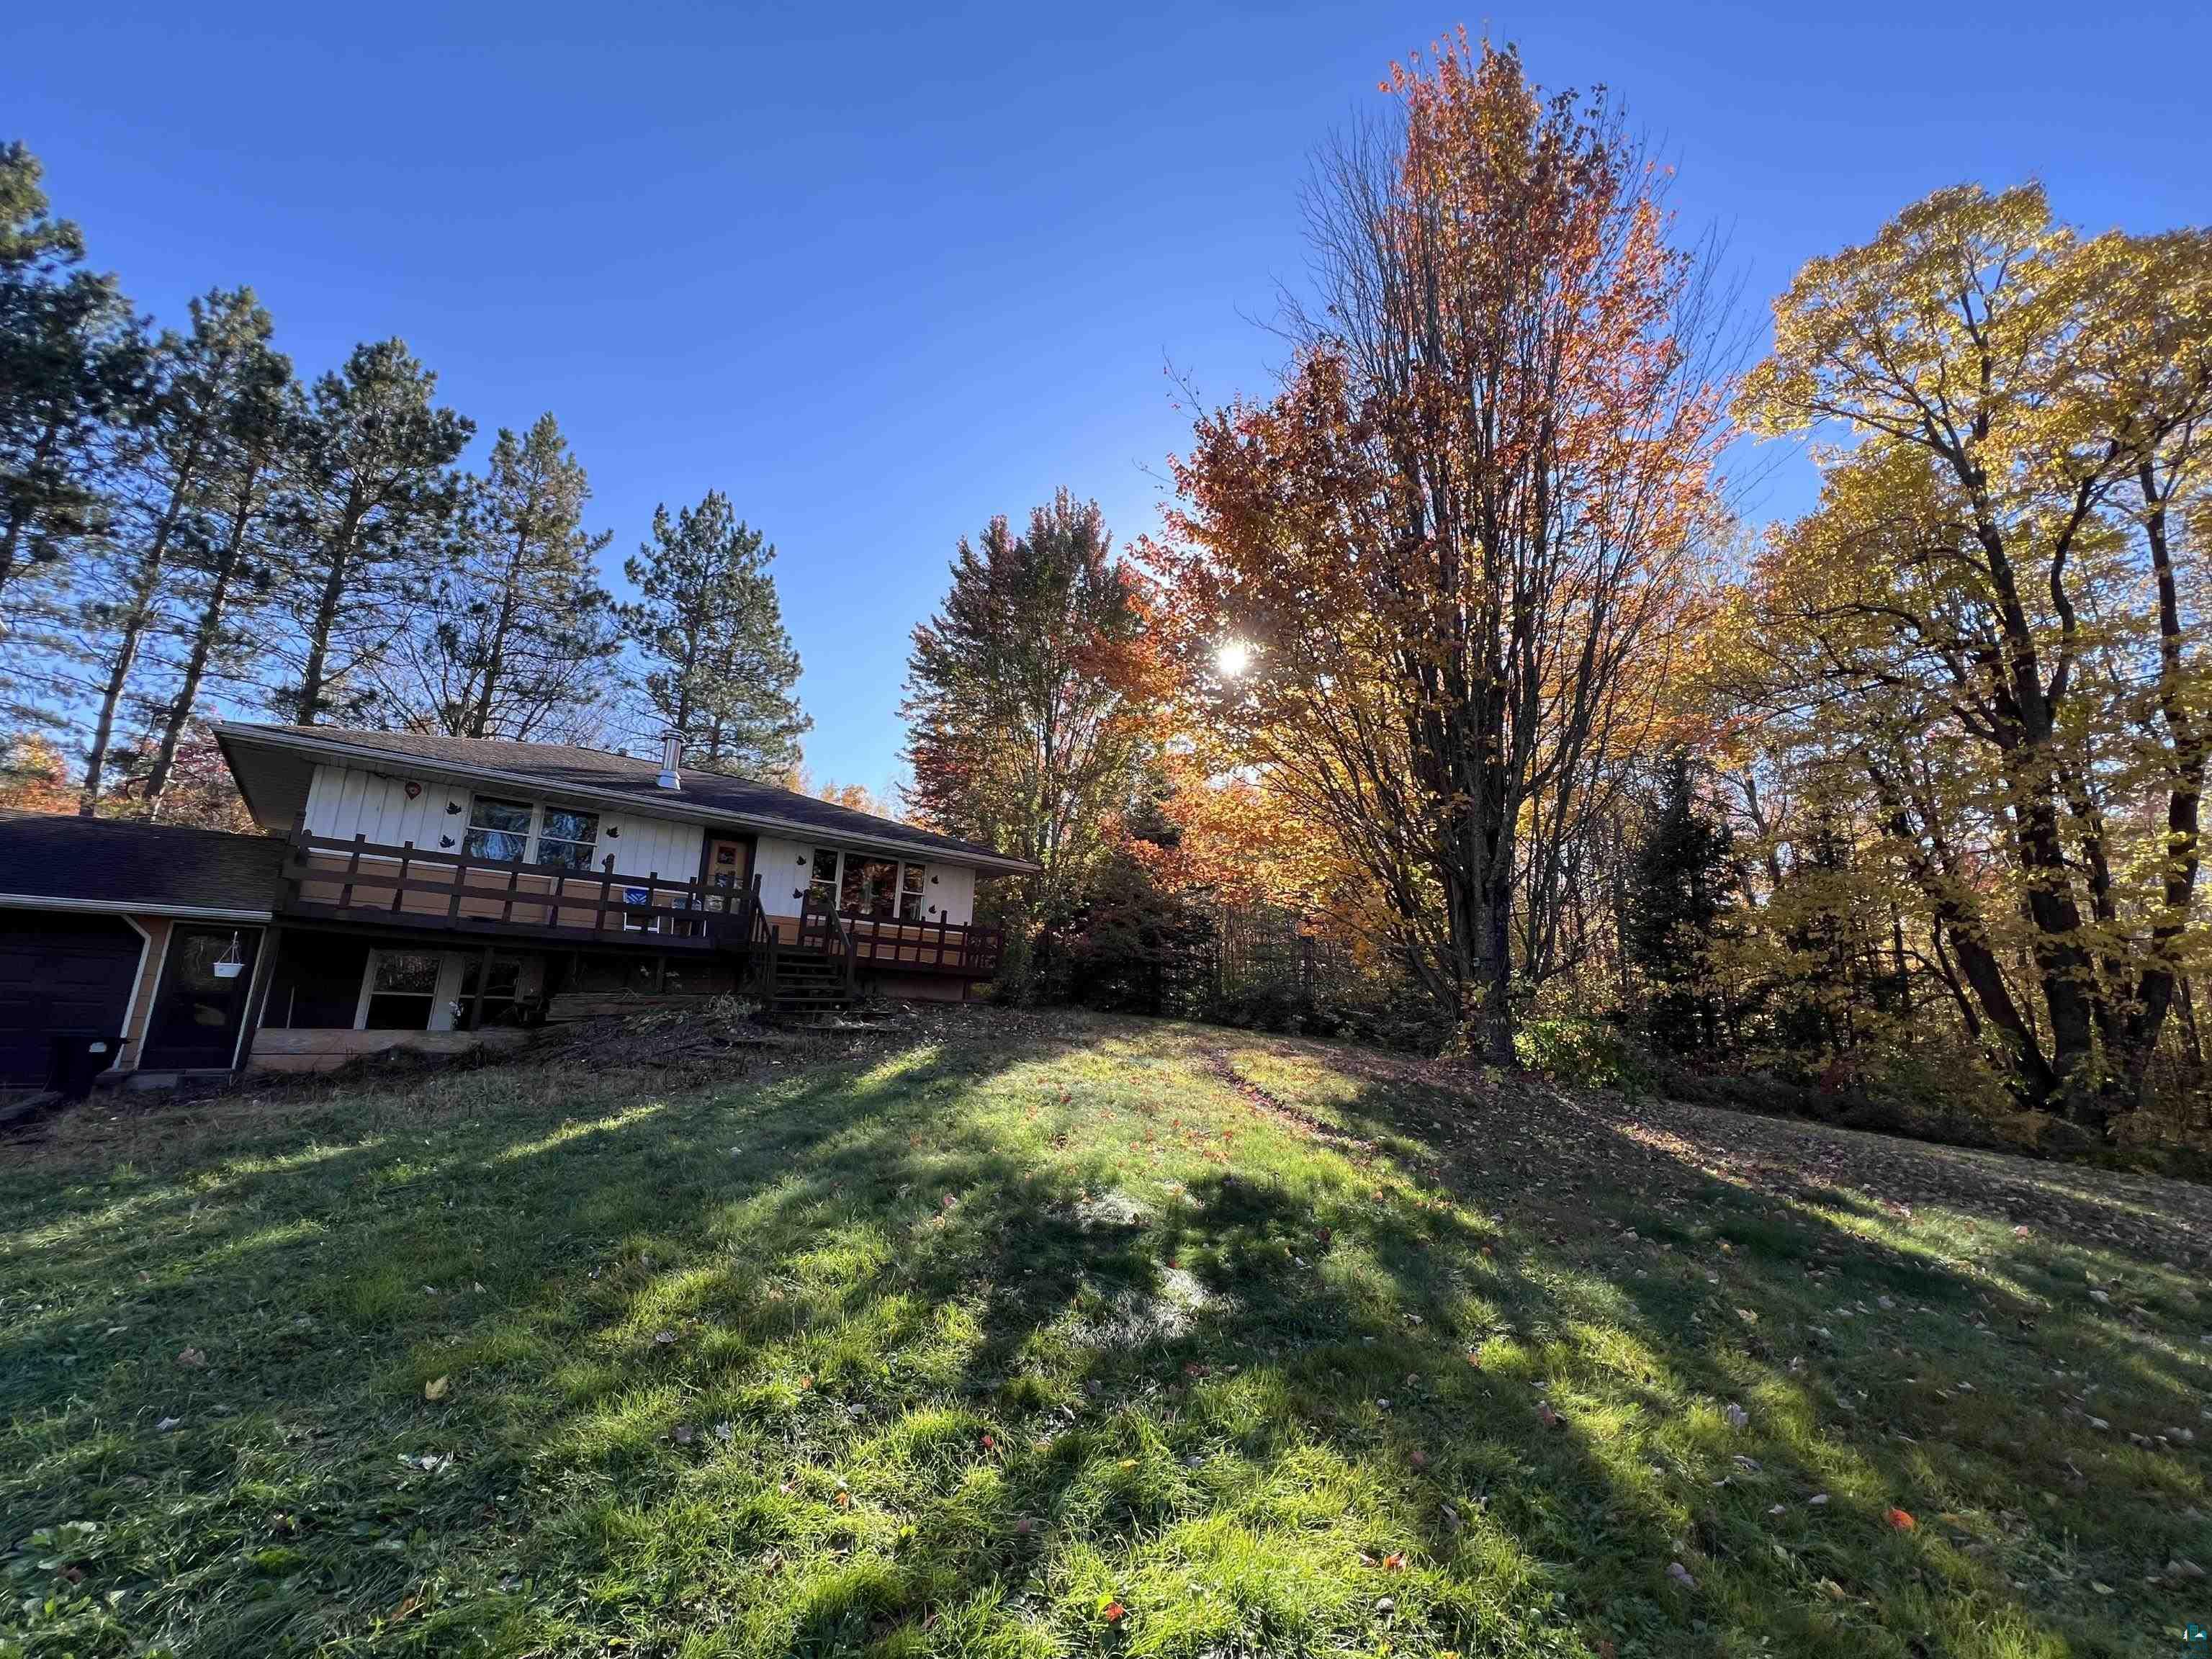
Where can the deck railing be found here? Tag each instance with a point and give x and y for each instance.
(411, 886)
(960, 949)
(414, 887)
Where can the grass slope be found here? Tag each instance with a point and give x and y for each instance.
(1057, 1336)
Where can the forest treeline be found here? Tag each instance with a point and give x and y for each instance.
(1454, 701)
(189, 527)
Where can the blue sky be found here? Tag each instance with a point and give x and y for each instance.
(879, 274)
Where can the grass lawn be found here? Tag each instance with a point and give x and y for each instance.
(1043, 1334)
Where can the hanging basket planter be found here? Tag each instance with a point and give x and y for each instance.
(231, 964)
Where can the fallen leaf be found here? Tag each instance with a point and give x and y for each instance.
(436, 1387)
(191, 1357)
(1899, 1519)
(1114, 1612)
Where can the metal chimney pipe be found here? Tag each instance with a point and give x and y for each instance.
(671, 754)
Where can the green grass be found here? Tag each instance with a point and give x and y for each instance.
(1048, 1335)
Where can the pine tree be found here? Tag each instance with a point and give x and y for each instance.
(1025, 697)
(1677, 906)
(373, 499)
(72, 358)
(720, 672)
(227, 572)
(515, 641)
(207, 385)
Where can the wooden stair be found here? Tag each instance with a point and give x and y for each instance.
(809, 985)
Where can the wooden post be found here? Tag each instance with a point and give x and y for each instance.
(399, 888)
(265, 974)
(460, 881)
(484, 974)
(353, 869)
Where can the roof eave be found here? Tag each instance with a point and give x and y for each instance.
(227, 732)
(130, 907)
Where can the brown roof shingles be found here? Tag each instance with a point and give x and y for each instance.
(118, 861)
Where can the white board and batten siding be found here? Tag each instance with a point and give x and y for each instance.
(346, 801)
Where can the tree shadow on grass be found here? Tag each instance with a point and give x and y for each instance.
(914, 1351)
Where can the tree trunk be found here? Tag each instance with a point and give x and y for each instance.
(139, 616)
(205, 632)
(312, 677)
(480, 721)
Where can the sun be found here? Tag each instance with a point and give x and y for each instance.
(1232, 658)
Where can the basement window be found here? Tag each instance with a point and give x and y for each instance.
(402, 990)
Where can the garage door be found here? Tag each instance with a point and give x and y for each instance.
(60, 976)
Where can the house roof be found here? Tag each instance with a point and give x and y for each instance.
(597, 773)
(48, 860)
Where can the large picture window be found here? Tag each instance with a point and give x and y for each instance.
(870, 887)
(499, 830)
(555, 837)
(851, 883)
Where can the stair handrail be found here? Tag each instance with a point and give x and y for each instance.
(762, 944)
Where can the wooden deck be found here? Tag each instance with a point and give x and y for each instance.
(421, 890)
(411, 887)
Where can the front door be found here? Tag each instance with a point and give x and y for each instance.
(726, 870)
(202, 1000)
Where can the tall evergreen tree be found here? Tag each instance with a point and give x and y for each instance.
(1677, 901)
(373, 499)
(720, 672)
(515, 641)
(226, 571)
(1025, 697)
(72, 357)
(208, 386)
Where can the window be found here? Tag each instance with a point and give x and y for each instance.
(499, 830)
(870, 886)
(910, 883)
(502, 992)
(821, 884)
(402, 987)
(567, 840)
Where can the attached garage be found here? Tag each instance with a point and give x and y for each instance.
(62, 976)
(145, 937)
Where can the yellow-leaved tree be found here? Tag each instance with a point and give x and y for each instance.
(1992, 625)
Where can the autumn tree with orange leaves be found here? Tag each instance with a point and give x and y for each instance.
(1030, 700)
(1451, 554)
